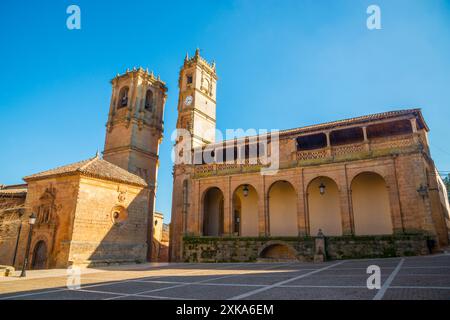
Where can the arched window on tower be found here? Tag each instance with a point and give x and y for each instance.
(123, 97)
(149, 100)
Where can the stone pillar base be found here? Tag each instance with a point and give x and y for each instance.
(318, 258)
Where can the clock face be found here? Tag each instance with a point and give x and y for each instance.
(188, 100)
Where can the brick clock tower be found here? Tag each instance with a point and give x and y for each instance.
(135, 130)
(197, 99)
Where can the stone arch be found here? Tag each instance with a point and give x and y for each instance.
(277, 250)
(378, 171)
(123, 97)
(282, 205)
(148, 104)
(39, 255)
(371, 204)
(324, 208)
(213, 212)
(245, 211)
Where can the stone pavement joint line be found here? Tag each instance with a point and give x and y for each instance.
(103, 283)
(197, 282)
(247, 294)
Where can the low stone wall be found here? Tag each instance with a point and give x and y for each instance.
(248, 249)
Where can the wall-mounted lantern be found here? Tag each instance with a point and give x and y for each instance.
(423, 191)
(322, 189)
(245, 190)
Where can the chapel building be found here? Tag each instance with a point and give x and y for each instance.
(96, 211)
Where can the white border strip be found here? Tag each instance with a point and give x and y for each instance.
(388, 281)
(250, 293)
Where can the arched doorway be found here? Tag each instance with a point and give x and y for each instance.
(278, 251)
(282, 209)
(39, 260)
(245, 211)
(371, 207)
(324, 207)
(213, 212)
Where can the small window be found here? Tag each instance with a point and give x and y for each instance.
(119, 215)
(149, 100)
(189, 79)
(123, 98)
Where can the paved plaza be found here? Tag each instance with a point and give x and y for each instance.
(426, 277)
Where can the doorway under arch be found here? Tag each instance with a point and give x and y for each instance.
(324, 207)
(371, 206)
(282, 209)
(245, 211)
(39, 260)
(278, 251)
(213, 212)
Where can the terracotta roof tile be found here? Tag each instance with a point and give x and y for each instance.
(356, 120)
(17, 192)
(94, 167)
(341, 123)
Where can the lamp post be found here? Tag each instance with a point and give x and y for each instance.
(18, 238)
(32, 221)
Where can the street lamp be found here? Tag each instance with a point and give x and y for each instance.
(423, 191)
(322, 189)
(245, 190)
(32, 221)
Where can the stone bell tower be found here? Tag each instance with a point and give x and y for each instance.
(196, 114)
(197, 99)
(135, 129)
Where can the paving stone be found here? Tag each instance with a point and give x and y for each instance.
(129, 287)
(416, 294)
(313, 294)
(204, 292)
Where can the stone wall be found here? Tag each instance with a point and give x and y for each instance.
(10, 221)
(246, 249)
(97, 237)
(59, 195)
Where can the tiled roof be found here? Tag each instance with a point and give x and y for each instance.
(345, 122)
(356, 120)
(94, 167)
(17, 190)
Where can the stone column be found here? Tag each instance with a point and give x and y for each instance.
(346, 205)
(261, 213)
(413, 124)
(366, 140)
(394, 199)
(301, 212)
(327, 134)
(228, 209)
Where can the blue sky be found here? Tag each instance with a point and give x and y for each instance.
(281, 64)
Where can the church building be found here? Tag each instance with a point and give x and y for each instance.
(367, 185)
(96, 211)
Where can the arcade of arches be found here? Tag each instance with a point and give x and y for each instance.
(369, 214)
